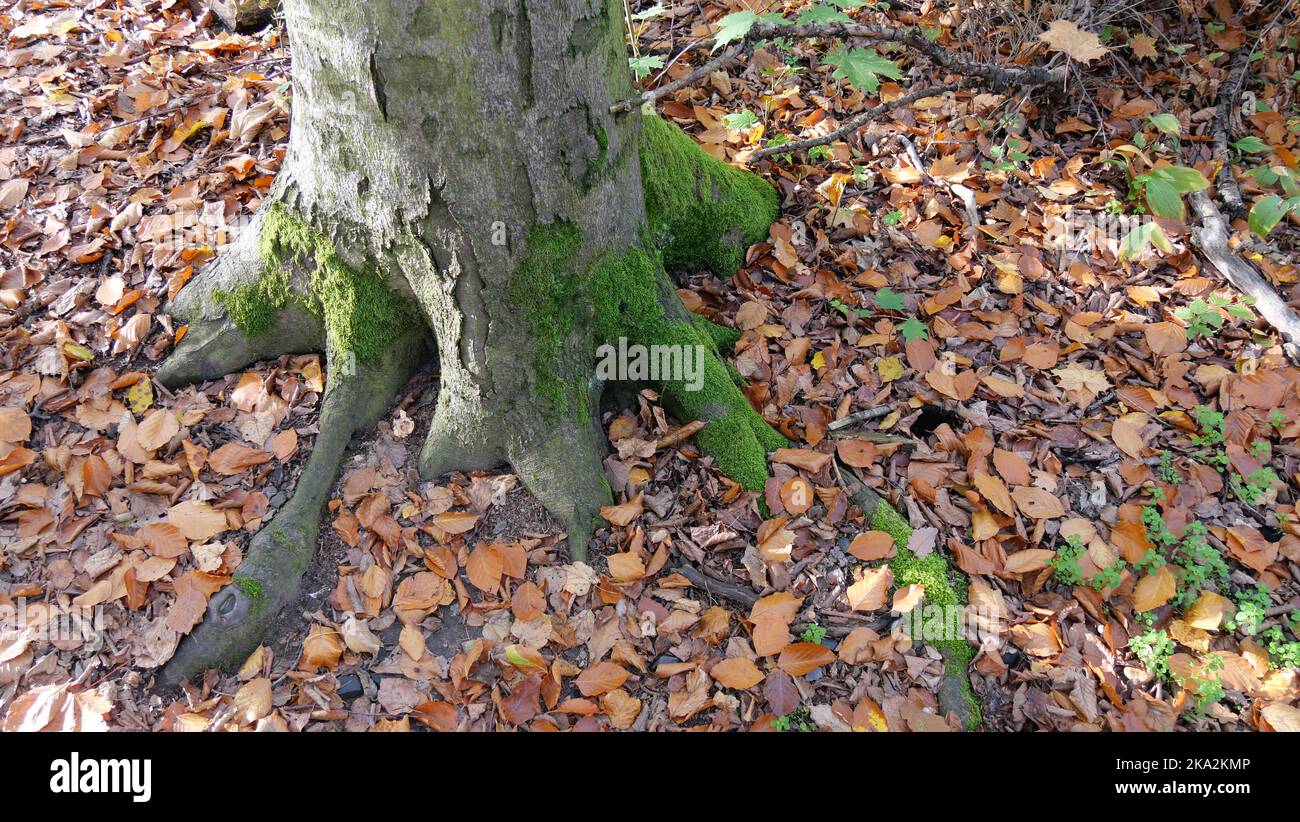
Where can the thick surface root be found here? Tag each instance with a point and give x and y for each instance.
(270, 576)
(214, 345)
(460, 438)
(941, 589)
(564, 472)
(213, 348)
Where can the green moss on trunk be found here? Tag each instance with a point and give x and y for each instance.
(361, 313)
(703, 213)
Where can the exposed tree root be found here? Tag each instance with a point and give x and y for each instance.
(564, 472)
(730, 591)
(941, 588)
(270, 576)
(214, 345)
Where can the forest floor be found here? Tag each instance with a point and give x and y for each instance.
(1106, 447)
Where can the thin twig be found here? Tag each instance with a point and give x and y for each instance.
(668, 88)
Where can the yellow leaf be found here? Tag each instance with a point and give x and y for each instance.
(833, 188)
(78, 352)
(890, 368)
(1208, 611)
(140, 396)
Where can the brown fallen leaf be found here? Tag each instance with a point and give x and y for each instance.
(157, 429)
(198, 521)
(870, 546)
(234, 458)
(624, 513)
(802, 458)
(1037, 503)
(1154, 589)
(872, 591)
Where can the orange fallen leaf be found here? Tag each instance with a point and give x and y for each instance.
(738, 673)
(601, 678)
(804, 657)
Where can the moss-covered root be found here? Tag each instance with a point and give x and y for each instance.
(703, 213)
(213, 348)
(562, 468)
(735, 435)
(270, 576)
(214, 343)
(943, 587)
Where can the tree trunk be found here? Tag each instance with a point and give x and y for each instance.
(453, 167)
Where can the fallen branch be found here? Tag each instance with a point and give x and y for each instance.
(861, 416)
(727, 590)
(994, 75)
(853, 124)
(1226, 115)
(1211, 240)
(955, 693)
(963, 193)
(674, 437)
(668, 88)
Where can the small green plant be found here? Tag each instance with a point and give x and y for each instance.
(1207, 687)
(743, 120)
(1204, 318)
(1211, 439)
(645, 65)
(798, 720)
(1168, 471)
(1201, 565)
(1268, 211)
(1256, 487)
(1154, 647)
(1007, 154)
(814, 633)
(1065, 564)
(1277, 419)
(892, 218)
(1251, 605)
(848, 310)
(1110, 576)
(779, 140)
(820, 153)
(1283, 654)
(1151, 560)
